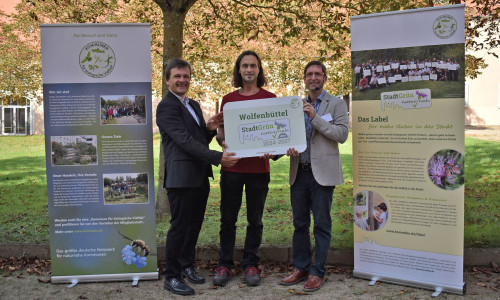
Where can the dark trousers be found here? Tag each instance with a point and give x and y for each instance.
(358, 78)
(256, 188)
(307, 195)
(187, 207)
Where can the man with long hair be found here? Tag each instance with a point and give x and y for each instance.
(251, 173)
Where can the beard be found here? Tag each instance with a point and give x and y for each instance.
(249, 78)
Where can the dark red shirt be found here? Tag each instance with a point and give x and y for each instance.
(248, 164)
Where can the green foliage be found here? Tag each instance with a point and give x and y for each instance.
(142, 189)
(142, 178)
(20, 59)
(474, 65)
(107, 181)
(286, 34)
(20, 67)
(85, 149)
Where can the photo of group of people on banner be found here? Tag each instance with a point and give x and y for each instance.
(438, 67)
(375, 75)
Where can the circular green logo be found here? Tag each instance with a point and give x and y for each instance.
(97, 59)
(444, 26)
(295, 102)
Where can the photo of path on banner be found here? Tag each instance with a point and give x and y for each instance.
(257, 127)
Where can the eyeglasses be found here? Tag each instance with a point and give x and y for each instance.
(311, 75)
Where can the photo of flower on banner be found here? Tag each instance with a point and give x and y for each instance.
(446, 169)
(439, 68)
(370, 210)
(135, 253)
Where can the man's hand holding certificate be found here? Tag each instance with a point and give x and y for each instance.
(258, 127)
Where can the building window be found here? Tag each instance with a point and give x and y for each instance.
(16, 119)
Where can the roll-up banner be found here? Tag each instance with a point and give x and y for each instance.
(408, 147)
(99, 151)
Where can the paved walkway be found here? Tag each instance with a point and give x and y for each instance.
(491, 133)
(134, 120)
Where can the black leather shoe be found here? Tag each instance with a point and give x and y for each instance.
(193, 276)
(178, 286)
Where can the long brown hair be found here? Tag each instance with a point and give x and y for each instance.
(238, 81)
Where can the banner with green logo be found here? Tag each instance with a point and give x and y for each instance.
(99, 151)
(408, 146)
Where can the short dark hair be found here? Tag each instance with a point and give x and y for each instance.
(176, 63)
(238, 81)
(382, 206)
(315, 63)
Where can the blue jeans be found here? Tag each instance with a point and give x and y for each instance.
(306, 196)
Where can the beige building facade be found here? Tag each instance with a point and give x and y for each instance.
(482, 95)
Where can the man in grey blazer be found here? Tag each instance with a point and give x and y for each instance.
(314, 174)
(185, 138)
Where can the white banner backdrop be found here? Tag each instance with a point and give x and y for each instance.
(408, 147)
(99, 151)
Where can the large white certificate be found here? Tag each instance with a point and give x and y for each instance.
(257, 127)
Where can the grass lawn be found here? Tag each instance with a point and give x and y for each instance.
(23, 197)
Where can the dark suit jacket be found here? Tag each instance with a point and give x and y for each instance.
(185, 144)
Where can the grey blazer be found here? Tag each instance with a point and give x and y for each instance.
(325, 157)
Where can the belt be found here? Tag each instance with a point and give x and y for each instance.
(305, 167)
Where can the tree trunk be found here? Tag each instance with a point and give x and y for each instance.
(174, 13)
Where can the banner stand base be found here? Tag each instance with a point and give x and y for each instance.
(436, 293)
(135, 281)
(460, 290)
(73, 283)
(75, 279)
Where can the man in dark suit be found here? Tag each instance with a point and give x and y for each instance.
(188, 159)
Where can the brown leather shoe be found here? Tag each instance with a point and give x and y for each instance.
(313, 283)
(296, 277)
